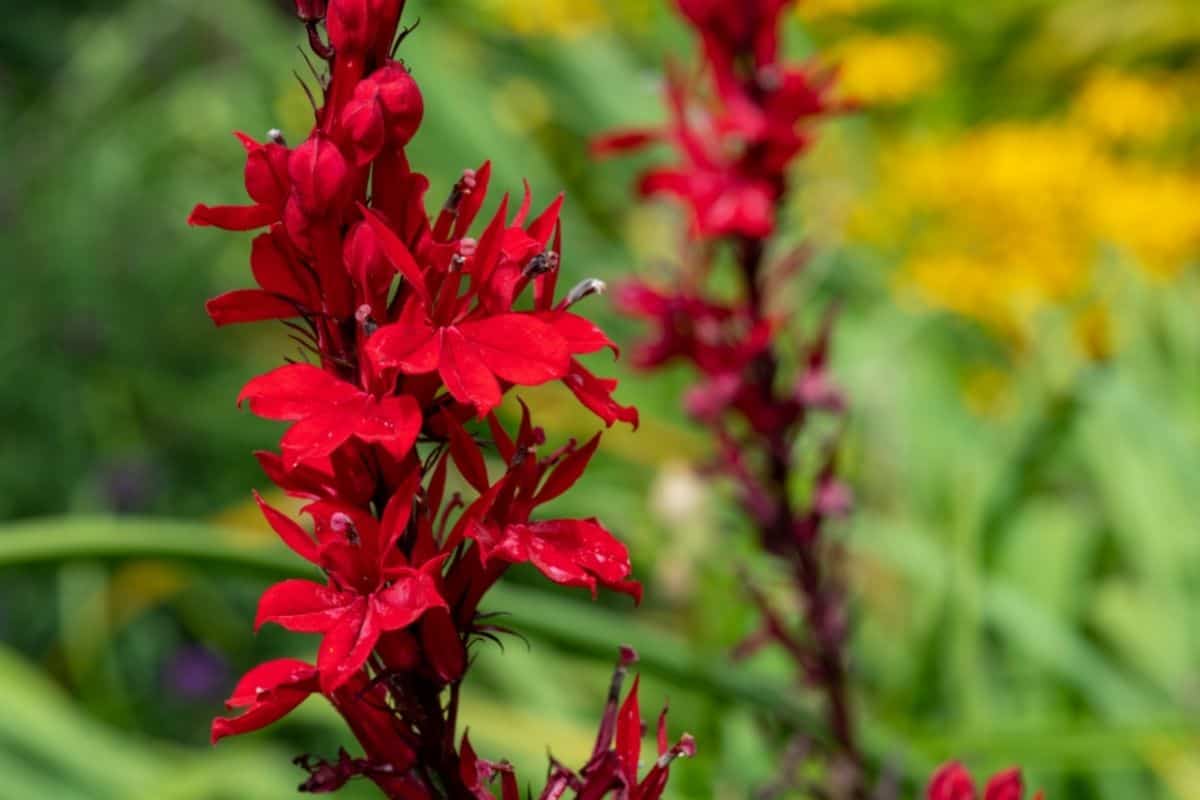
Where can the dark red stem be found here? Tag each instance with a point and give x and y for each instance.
(796, 539)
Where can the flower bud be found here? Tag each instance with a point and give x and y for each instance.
(319, 174)
(349, 26)
(401, 101)
(362, 123)
(361, 27)
(311, 10)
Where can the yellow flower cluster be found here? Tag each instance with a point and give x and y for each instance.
(1126, 108)
(878, 69)
(564, 18)
(1009, 219)
(825, 9)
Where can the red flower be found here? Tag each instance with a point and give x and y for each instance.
(329, 412)
(411, 326)
(267, 183)
(571, 552)
(351, 621)
(286, 289)
(470, 349)
(952, 781)
(472, 354)
(732, 159)
(615, 769)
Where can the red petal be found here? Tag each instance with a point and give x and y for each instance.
(519, 348)
(468, 763)
(665, 181)
(266, 173)
(412, 593)
(249, 305)
(393, 422)
(269, 691)
(318, 435)
(629, 734)
(233, 218)
(504, 443)
(570, 552)
(467, 456)
(295, 391)
(467, 378)
(623, 140)
(596, 395)
(269, 676)
(273, 270)
(526, 203)
(582, 335)
(397, 252)
(1006, 785)
(567, 472)
(951, 782)
(292, 534)
(664, 743)
(541, 227)
(302, 606)
(397, 514)
(487, 254)
(436, 488)
(413, 349)
(347, 645)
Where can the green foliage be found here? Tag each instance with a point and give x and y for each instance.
(1025, 582)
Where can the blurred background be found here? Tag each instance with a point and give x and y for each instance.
(1012, 226)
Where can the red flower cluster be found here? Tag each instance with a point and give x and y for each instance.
(414, 336)
(953, 782)
(734, 144)
(733, 155)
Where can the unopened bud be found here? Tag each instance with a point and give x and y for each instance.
(311, 10)
(585, 288)
(627, 655)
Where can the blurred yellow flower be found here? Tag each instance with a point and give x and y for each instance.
(821, 9)
(1121, 107)
(567, 18)
(991, 220)
(881, 69)
(1008, 220)
(1152, 214)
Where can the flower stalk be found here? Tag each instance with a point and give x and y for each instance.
(411, 338)
(734, 145)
